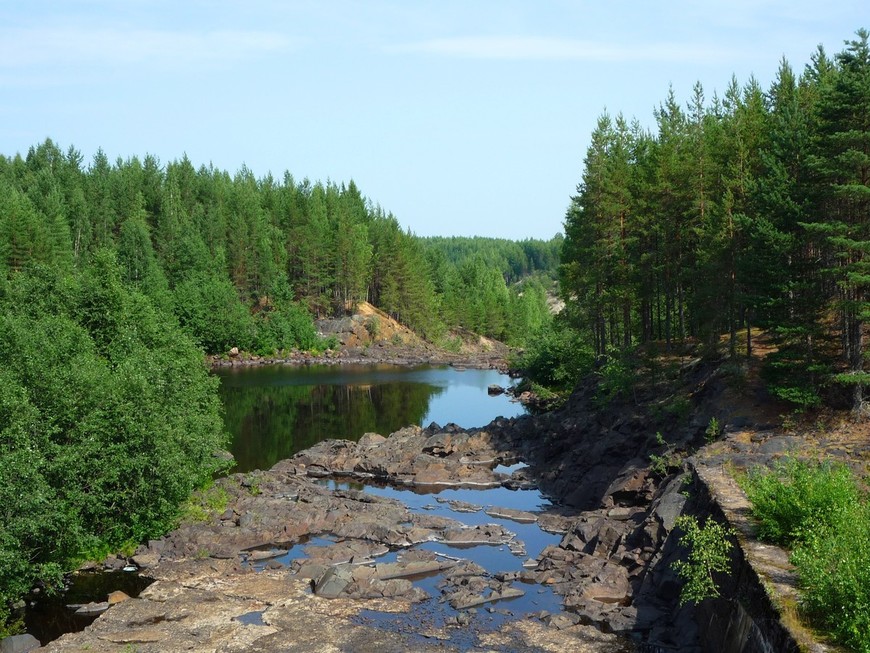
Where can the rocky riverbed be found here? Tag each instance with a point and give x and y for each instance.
(314, 554)
(340, 549)
(229, 583)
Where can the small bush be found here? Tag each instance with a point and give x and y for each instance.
(617, 377)
(709, 554)
(834, 570)
(373, 326)
(209, 310)
(287, 325)
(556, 357)
(203, 504)
(818, 509)
(711, 434)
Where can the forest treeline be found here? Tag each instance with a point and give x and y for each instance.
(247, 262)
(747, 209)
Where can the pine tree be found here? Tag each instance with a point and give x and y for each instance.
(842, 164)
(596, 271)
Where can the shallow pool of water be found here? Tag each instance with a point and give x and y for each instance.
(466, 506)
(49, 617)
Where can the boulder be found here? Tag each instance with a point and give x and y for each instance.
(117, 597)
(19, 644)
(146, 560)
(333, 582)
(369, 440)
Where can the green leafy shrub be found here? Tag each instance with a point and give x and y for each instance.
(326, 344)
(664, 464)
(617, 376)
(834, 569)
(797, 497)
(209, 310)
(556, 358)
(713, 430)
(710, 548)
(203, 504)
(108, 421)
(286, 325)
(818, 509)
(373, 326)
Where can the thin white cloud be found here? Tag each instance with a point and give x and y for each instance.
(27, 47)
(525, 48)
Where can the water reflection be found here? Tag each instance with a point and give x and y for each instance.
(273, 412)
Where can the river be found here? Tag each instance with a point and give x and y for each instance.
(275, 411)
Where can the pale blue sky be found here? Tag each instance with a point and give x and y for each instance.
(465, 117)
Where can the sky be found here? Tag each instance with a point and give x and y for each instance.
(460, 117)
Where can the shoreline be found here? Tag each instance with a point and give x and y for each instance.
(365, 356)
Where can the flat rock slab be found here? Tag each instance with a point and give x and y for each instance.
(519, 516)
(18, 644)
(388, 570)
(92, 608)
(487, 534)
(464, 602)
(459, 506)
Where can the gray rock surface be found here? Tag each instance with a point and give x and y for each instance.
(18, 644)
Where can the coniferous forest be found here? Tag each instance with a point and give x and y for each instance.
(747, 209)
(247, 262)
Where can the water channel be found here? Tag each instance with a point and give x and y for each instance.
(273, 412)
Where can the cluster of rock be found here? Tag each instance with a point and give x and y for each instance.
(612, 567)
(613, 564)
(227, 584)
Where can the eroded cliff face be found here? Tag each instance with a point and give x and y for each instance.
(618, 479)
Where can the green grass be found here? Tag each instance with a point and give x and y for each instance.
(797, 498)
(203, 504)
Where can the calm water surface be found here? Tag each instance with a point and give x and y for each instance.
(275, 411)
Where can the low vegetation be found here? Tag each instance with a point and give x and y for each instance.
(821, 514)
(709, 545)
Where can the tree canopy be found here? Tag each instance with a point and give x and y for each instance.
(108, 420)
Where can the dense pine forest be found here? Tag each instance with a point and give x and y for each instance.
(247, 262)
(747, 209)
